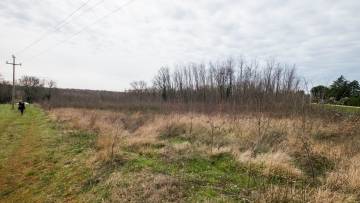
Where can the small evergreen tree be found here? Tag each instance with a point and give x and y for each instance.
(341, 91)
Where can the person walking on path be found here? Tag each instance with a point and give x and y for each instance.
(21, 107)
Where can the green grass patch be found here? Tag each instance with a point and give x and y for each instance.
(218, 177)
(203, 178)
(340, 108)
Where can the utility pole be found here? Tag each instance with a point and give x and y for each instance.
(14, 64)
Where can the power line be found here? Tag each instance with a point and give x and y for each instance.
(91, 8)
(84, 28)
(99, 19)
(60, 25)
(64, 22)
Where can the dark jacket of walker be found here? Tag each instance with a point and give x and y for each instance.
(21, 107)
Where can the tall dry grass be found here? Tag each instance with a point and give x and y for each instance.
(320, 151)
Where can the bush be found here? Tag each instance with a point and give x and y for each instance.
(343, 101)
(173, 130)
(5, 92)
(316, 164)
(353, 101)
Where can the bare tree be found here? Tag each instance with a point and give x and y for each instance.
(32, 87)
(51, 86)
(162, 82)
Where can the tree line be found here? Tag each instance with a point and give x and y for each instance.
(341, 92)
(29, 89)
(222, 85)
(5, 91)
(232, 84)
(32, 89)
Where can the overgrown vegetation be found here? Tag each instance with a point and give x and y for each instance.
(221, 158)
(341, 92)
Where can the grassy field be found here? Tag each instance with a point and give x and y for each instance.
(340, 108)
(199, 158)
(77, 155)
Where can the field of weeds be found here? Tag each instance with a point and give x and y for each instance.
(143, 157)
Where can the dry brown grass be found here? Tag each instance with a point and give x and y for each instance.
(346, 177)
(291, 194)
(275, 144)
(145, 187)
(274, 162)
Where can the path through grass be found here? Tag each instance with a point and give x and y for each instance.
(39, 162)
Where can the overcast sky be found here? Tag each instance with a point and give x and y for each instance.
(322, 37)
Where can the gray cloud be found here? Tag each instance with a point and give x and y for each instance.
(322, 37)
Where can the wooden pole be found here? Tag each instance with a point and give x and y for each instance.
(13, 89)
